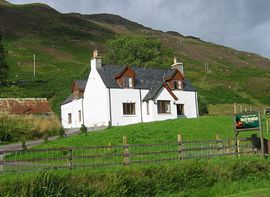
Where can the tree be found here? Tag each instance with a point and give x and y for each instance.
(138, 50)
(3, 63)
(203, 108)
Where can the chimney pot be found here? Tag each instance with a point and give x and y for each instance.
(95, 53)
(174, 60)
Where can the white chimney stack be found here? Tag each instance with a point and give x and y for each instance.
(95, 61)
(177, 65)
(95, 53)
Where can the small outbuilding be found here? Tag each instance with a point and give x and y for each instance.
(20, 106)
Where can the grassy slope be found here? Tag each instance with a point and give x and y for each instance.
(155, 132)
(63, 43)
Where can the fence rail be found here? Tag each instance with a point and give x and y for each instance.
(120, 155)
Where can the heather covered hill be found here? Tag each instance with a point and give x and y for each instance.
(63, 44)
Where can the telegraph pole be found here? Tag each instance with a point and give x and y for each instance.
(34, 57)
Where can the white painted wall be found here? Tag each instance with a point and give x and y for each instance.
(189, 99)
(73, 108)
(96, 104)
(164, 95)
(126, 95)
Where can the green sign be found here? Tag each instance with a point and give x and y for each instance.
(249, 121)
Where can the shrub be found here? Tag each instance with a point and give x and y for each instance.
(83, 129)
(61, 132)
(14, 127)
(203, 108)
(24, 147)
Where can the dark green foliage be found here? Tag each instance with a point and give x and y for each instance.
(203, 109)
(11, 130)
(216, 177)
(83, 129)
(15, 128)
(61, 132)
(137, 50)
(24, 147)
(46, 138)
(3, 63)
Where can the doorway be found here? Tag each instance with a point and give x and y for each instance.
(180, 110)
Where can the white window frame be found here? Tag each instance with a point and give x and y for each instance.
(128, 82)
(167, 107)
(129, 112)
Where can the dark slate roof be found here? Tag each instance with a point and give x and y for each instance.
(146, 78)
(80, 84)
(68, 99)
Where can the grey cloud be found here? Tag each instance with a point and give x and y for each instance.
(242, 24)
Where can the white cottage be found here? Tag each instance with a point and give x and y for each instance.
(116, 95)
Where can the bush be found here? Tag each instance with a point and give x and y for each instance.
(61, 132)
(14, 128)
(203, 108)
(83, 129)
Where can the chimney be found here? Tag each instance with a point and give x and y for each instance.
(95, 61)
(95, 53)
(174, 60)
(177, 65)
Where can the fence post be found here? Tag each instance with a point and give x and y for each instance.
(238, 147)
(109, 146)
(234, 108)
(70, 158)
(1, 162)
(125, 151)
(218, 142)
(228, 146)
(180, 147)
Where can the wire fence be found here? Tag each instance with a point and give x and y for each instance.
(120, 155)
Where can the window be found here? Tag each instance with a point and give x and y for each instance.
(147, 107)
(80, 115)
(128, 108)
(69, 118)
(180, 109)
(164, 107)
(128, 82)
(177, 85)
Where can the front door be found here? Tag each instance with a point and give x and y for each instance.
(180, 110)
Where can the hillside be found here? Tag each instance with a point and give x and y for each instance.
(63, 44)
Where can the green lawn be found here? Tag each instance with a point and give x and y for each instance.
(205, 127)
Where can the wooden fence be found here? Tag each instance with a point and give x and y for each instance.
(120, 155)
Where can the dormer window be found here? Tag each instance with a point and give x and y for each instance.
(177, 85)
(126, 78)
(127, 82)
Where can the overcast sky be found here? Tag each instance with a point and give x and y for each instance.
(241, 24)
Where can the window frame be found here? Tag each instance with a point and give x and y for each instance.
(182, 109)
(164, 107)
(69, 118)
(177, 84)
(147, 108)
(80, 115)
(128, 82)
(129, 109)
